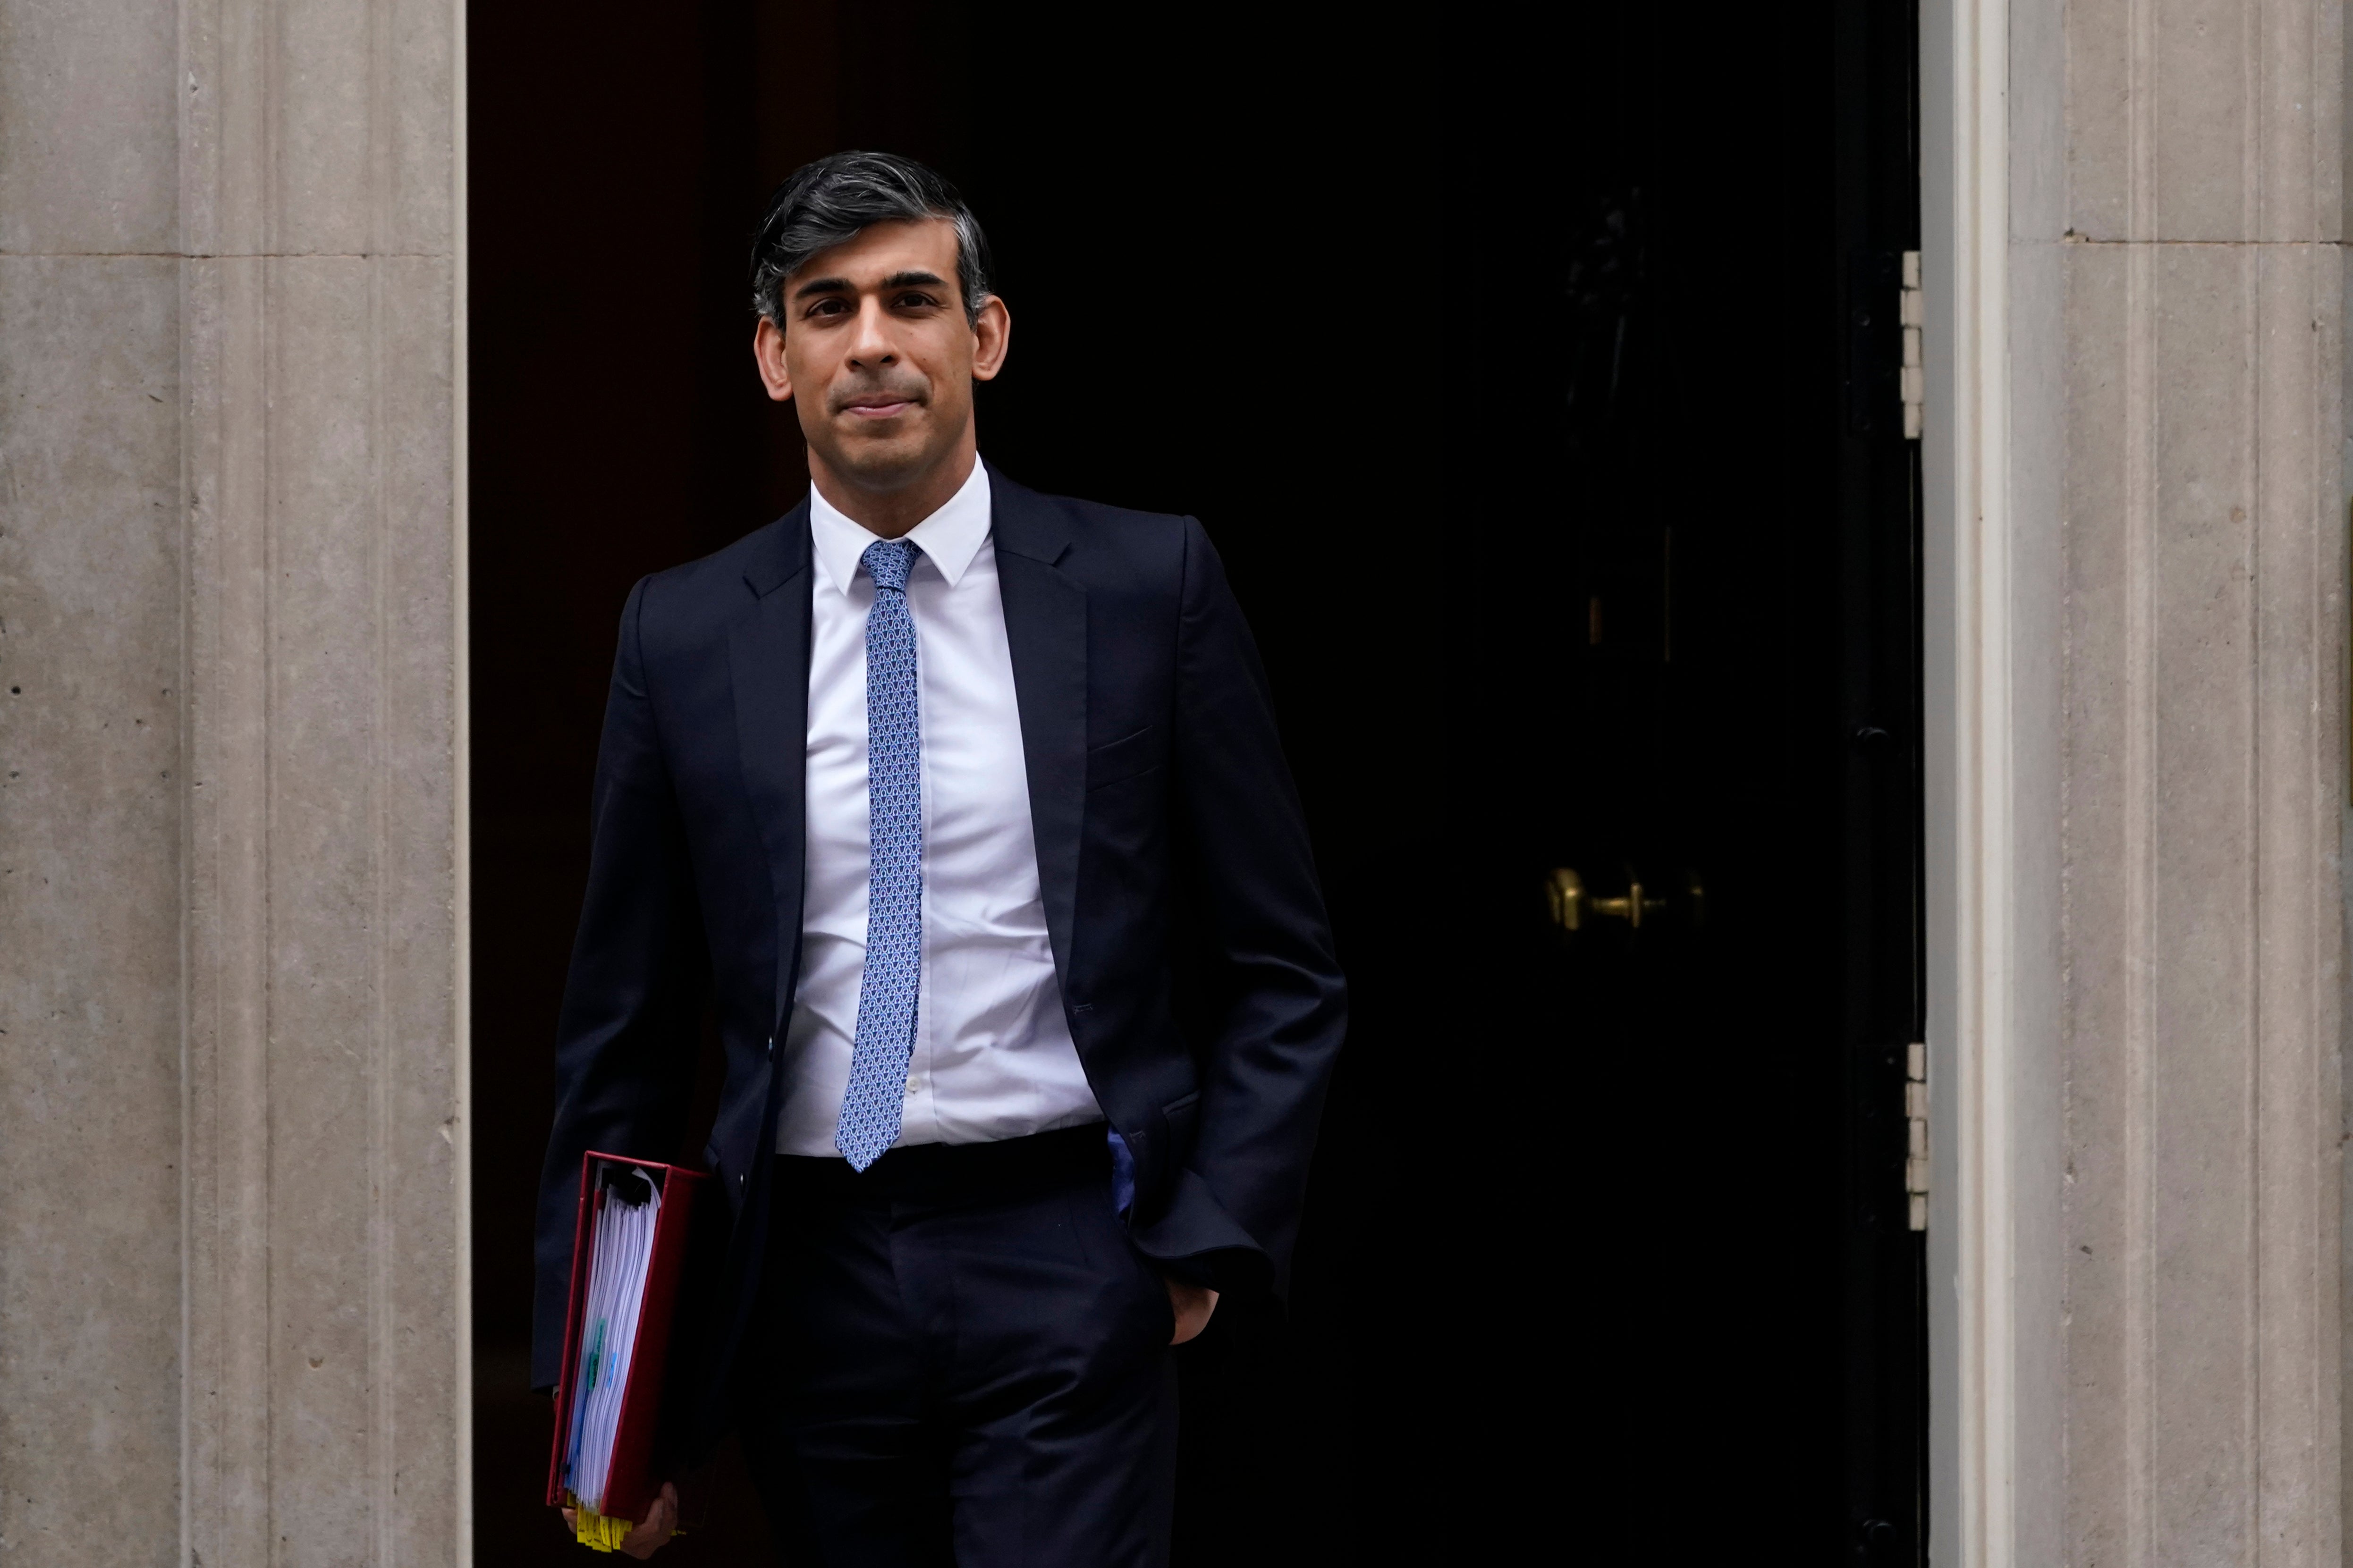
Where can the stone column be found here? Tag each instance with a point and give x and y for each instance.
(2144, 1208)
(93, 786)
(2196, 239)
(231, 1231)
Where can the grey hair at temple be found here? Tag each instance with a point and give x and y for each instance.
(820, 205)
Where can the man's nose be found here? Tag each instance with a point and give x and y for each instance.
(872, 346)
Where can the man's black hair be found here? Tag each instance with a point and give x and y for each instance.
(822, 205)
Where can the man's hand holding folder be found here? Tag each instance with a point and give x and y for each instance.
(660, 1524)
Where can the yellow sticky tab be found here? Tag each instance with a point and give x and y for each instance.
(595, 1531)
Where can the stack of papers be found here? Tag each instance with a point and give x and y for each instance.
(629, 1201)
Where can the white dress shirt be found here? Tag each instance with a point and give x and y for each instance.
(993, 1057)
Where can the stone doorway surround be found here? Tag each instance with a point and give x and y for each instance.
(2135, 614)
(232, 413)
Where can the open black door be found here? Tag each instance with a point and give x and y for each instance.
(1689, 657)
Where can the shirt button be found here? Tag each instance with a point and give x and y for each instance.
(911, 1083)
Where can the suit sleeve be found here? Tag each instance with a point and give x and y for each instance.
(1281, 1000)
(626, 1034)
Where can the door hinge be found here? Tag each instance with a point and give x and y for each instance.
(1916, 1132)
(1911, 311)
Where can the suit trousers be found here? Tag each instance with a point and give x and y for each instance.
(958, 1357)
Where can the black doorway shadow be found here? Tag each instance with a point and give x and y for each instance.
(1301, 274)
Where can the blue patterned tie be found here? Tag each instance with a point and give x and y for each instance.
(894, 878)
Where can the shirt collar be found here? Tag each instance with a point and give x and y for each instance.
(949, 538)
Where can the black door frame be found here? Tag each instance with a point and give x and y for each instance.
(1880, 522)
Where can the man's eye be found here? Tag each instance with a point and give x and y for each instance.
(916, 302)
(827, 308)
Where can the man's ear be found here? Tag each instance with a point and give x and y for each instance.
(992, 334)
(768, 353)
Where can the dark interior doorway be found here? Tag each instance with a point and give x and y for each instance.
(1534, 376)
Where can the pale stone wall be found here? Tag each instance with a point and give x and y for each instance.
(91, 791)
(231, 1235)
(2194, 237)
(2140, 1264)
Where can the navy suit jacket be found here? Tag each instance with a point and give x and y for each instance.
(1169, 840)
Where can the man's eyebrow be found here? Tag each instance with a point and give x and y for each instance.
(844, 286)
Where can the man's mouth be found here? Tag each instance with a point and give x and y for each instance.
(876, 406)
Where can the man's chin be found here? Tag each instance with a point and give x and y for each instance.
(878, 462)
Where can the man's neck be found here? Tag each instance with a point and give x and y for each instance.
(889, 514)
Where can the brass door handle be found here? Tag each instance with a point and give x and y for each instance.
(1630, 909)
(1570, 903)
(1565, 892)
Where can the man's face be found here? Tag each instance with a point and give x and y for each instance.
(877, 351)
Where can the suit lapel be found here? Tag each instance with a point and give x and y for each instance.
(768, 655)
(1046, 625)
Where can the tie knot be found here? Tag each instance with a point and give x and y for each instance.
(888, 562)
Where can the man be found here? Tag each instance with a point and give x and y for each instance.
(931, 786)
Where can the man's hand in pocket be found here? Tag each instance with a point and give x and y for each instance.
(1192, 1305)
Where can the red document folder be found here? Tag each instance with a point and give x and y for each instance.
(630, 1484)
